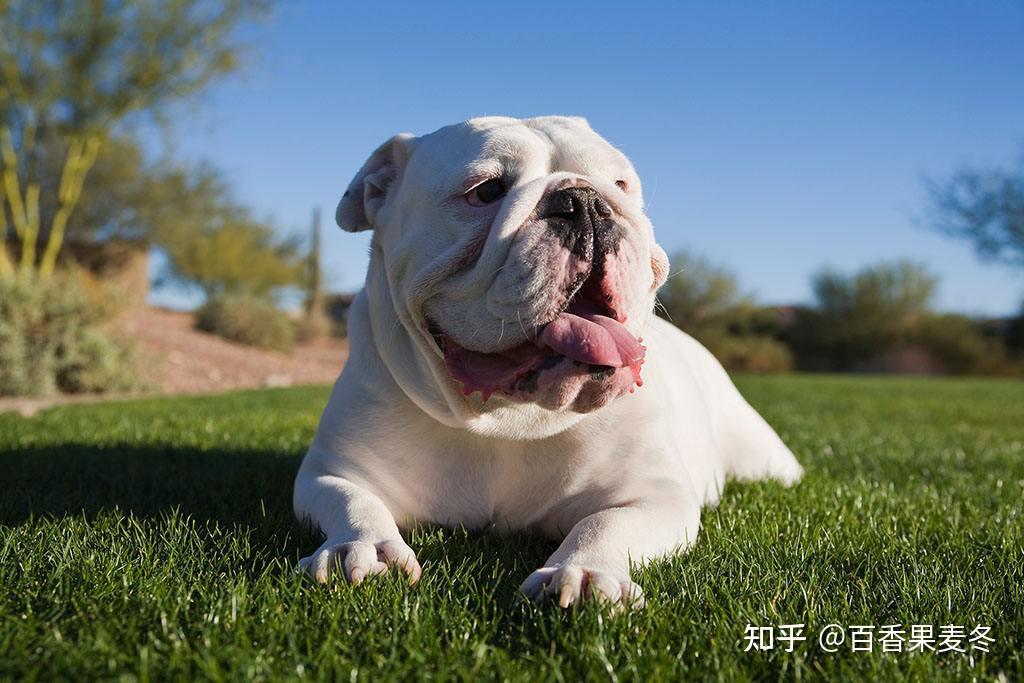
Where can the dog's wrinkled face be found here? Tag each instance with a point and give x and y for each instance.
(519, 253)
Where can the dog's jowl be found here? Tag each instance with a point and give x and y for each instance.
(506, 367)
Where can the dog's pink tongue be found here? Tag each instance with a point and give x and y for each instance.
(585, 337)
(594, 339)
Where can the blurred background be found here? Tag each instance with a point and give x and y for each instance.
(841, 185)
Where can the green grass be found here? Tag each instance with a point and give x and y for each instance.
(155, 540)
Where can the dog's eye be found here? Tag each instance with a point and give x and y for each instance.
(485, 193)
(623, 185)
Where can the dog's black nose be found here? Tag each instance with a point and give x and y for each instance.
(583, 221)
(575, 203)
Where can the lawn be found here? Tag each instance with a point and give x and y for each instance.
(155, 539)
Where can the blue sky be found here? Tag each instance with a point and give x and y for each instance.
(773, 138)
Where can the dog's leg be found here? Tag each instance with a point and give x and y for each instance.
(362, 536)
(751, 447)
(594, 559)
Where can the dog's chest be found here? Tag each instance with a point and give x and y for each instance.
(510, 486)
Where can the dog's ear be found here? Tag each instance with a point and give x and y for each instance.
(368, 191)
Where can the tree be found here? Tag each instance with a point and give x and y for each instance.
(858, 317)
(894, 292)
(214, 242)
(705, 301)
(114, 194)
(983, 206)
(71, 72)
(697, 294)
(178, 209)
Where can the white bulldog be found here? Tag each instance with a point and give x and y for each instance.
(507, 371)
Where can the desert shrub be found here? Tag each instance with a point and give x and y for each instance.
(50, 340)
(958, 346)
(247, 320)
(752, 354)
(96, 364)
(312, 326)
(1014, 337)
(925, 343)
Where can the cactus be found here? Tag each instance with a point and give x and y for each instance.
(315, 324)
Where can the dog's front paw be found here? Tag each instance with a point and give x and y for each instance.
(572, 584)
(359, 559)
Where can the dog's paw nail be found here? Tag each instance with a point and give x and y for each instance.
(359, 560)
(572, 584)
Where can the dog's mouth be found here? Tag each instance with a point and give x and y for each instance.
(587, 341)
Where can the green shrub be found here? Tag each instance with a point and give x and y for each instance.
(752, 354)
(860, 317)
(50, 342)
(1014, 336)
(705, 301)
(247, 320)
(959, 347)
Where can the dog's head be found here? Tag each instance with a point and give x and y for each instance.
(517, 255)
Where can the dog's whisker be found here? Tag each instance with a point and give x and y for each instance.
(658, 305)
(519, 317)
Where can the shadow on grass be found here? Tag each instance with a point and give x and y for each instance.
(244, 491)
(223, 485)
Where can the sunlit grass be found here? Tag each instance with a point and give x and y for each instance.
(155, 539)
